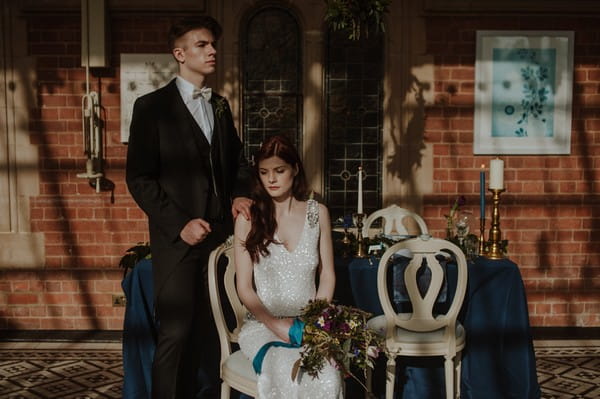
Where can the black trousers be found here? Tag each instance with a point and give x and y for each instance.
(186, 361)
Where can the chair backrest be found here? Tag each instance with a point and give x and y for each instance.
(222, 257)
(423, 317)
(394, 221)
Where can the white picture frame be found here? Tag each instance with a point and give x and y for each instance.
(523, 92)
(141, 74)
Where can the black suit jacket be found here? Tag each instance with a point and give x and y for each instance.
(166, 169)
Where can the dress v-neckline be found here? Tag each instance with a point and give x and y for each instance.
(301, 235)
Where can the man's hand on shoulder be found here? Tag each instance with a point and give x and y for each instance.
(195, 231)
(241, 205)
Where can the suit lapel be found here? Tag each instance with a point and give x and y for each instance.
(216, 134)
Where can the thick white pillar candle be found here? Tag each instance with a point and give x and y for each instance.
(497, 174)
(360, 193)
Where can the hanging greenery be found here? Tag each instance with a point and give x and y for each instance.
(356, 16)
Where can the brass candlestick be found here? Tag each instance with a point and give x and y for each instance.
(494, 244)
(482, 237)
(346, 239)
(360, 250)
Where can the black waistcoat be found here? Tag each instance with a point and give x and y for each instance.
(211, 164)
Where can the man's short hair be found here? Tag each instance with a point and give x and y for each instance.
(185, 25)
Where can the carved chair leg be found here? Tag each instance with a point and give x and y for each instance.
(458, 361)
(225, 390)
(449, 376)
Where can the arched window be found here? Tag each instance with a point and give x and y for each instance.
(354, 95)
(272, 76)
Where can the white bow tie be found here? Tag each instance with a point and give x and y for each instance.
(205, 92)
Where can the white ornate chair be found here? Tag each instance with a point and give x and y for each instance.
(235, 369)
(394, 221)
(422, 332)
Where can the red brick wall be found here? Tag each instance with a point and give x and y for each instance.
(85, 233)
(550, 212)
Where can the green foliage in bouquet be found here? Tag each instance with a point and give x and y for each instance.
(339, 334)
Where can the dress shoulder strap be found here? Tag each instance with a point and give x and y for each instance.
(312, 212)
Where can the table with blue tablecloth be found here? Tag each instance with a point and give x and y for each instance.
(139, 331)
(498, 361)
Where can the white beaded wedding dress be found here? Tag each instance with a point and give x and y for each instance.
(285, 282)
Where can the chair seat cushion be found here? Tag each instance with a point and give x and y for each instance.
(378, 324)
(239, 365)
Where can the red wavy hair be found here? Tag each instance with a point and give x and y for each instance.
(263, 223)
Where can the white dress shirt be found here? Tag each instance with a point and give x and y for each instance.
(199, 107)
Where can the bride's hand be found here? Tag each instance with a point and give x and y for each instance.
(281, 328)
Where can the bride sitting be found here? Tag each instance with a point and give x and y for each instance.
(278, 253)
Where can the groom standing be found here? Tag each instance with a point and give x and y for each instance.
(185, 169)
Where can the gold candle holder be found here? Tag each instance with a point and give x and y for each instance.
(494, 250)
(346, 239)
(482, 248)
(360, 250)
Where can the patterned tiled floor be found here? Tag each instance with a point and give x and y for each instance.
(60, 371)
(568, 371)
(94, 370)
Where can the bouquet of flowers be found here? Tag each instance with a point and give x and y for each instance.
(338, 334)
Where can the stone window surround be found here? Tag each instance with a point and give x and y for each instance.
(19, 180)
(404, 64)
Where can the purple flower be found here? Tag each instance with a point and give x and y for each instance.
(340, 338)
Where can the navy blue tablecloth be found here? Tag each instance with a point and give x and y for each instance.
(498, 361)
(139, 332)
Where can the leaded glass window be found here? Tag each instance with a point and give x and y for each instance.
(272, 98)
(354, 95)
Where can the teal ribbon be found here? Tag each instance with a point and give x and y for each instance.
(295, 333)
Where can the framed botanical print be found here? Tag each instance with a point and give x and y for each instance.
(523, 92)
